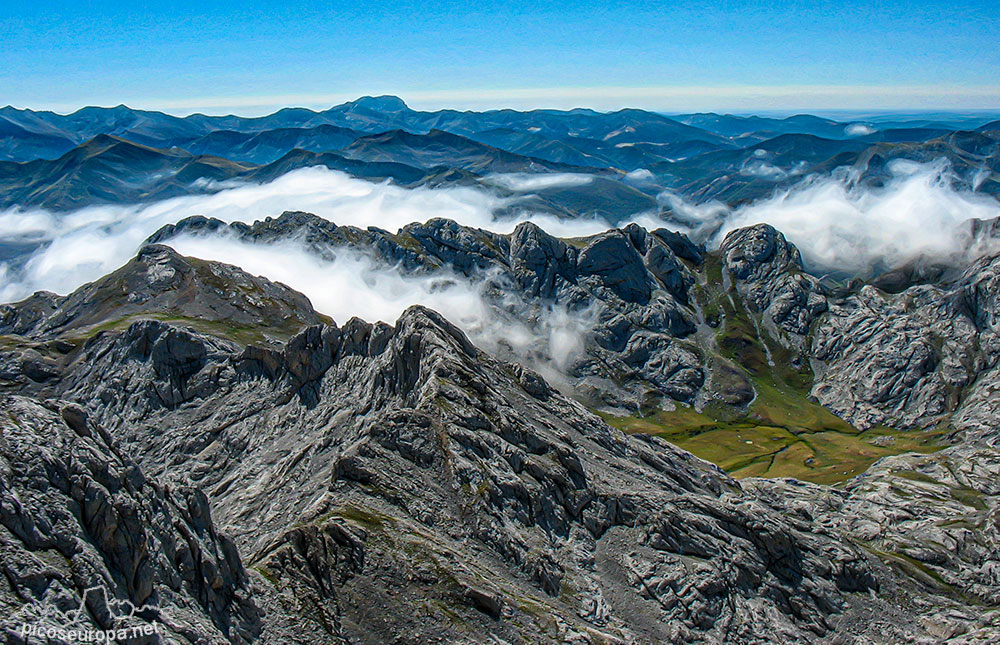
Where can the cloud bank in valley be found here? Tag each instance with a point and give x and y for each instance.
(837, 223)
(353, 284)
(840, 225)
(83, 245)
(523, 182)
(859, 130)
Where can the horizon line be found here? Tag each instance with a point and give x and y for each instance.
(731, 99)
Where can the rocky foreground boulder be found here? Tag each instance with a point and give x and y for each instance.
(79, 515)
(375, 483)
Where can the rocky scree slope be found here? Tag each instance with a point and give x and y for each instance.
(382, 481)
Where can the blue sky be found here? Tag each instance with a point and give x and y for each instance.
(742, 56)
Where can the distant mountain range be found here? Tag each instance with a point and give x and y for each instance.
(120, 155)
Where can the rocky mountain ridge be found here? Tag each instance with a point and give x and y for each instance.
(389, 482)
(672, 316)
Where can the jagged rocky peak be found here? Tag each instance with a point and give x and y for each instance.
(626, 265)
(644, 293)
(635, 283)
(768, 272)
(758, 252)
(928, 355)
(505, 495)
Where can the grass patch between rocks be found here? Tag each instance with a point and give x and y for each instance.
(807, 447)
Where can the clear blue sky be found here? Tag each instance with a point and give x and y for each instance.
(183, 56)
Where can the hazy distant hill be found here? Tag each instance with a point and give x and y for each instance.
(269, 145)
(443, 149)
(112, 155)
(108, 169)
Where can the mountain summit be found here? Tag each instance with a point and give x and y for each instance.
(384, 103)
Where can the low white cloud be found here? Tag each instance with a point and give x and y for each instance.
(981, 176)
(524, 182)
(697, 220)
(640, 176)
(86, 244)
(859, 130)
(839, 225)
(909, 168)
(762, 169)
(545, 337)
(351, 285)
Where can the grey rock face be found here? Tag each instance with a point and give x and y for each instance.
(160, 281)
(433, 447)
(916, 358)
(930, 518)
(633, 283)
(543, 266)
(978, 413)
(768, 272)
(614, 264)
(78, 515)
(881, 364)
(906, 359)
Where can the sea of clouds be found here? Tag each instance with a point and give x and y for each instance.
(838, 224)
(84, 245)
(844, 226)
